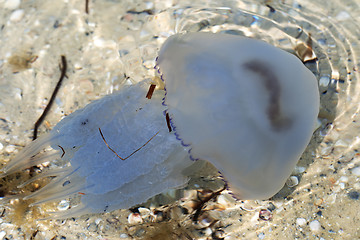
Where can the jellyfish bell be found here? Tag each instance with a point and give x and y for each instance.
(244, 105)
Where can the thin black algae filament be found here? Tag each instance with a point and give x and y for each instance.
(87, 6)
(132, 152)
(63, 151)
(63, 68)
(168, 121)
(201, 205)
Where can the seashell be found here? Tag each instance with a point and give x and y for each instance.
(134, 218)
(225, 201)
(144, 212)
(242, 104)
(265, 214)
(205, 220)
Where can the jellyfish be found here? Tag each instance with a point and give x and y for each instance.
(244, 105)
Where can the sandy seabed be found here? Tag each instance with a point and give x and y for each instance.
(114, 43)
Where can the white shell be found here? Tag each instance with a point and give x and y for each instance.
(244, 105)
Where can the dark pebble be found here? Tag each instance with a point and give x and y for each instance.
(354, 195)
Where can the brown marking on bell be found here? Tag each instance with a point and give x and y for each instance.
(272, 85)
(151, 91)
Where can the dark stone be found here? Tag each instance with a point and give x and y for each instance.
(354, 195)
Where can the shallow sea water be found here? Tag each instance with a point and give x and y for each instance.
(117, 42)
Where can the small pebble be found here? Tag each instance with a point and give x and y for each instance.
(124, 235)
(207, 231)
(341, 143)
(225, 200)
(219, 234)
(140, 232)
(299, 169)
(261, 235)
(325, 151)
(60, 222)
(229, 237)
(292, 181)
(343, 179)
(149, 64)
(357, 185)
(265, 214)
(12, 4)
(355, 171)
(63, 205)
(300, 221)
(86, 86)
(17, 93)
(78, 66)
(92, 227)
(343, 16)
(315, 225)
(249, 205)
(112, 220)
(149, 5)
(271, 207)
(324, 81)
(1, 146)
(2, 234)
(17, 15)
(205, 222)
(354, 195)
(10, 148)
(318, 201)
(97, 221)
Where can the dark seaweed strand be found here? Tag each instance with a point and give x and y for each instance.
(63, 151)
(168, 121)
(63, 68)
(102, 136)
(201, 205)
(3, 212)
(168, 118)
(87, 6)
(150, 91)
